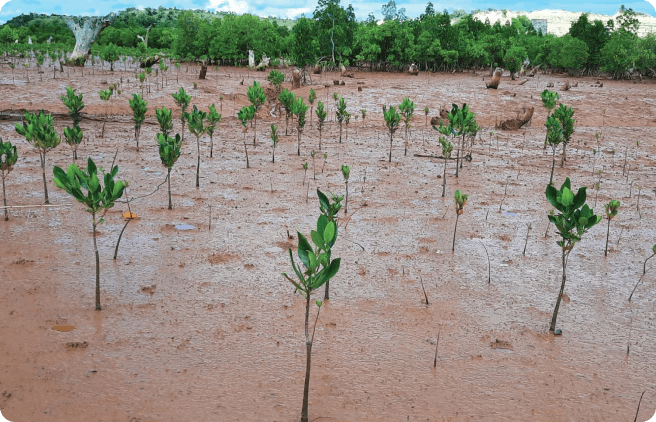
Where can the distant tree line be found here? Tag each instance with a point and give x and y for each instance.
(333, 36)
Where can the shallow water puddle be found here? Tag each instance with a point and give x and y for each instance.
(64, 328)
(184, 227)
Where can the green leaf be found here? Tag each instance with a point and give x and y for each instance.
(332, 269)
(566, 197)
(329, 232)
(317, 239)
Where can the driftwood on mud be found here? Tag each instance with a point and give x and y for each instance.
(316, 70)
(343, 73)
(523, 82)
(524, 115)
(496, 79)
(414, 71)
(566, 87)
(443, 117)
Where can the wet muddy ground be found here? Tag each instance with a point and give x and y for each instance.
(198, 324)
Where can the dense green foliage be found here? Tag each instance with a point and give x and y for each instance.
(331, 34)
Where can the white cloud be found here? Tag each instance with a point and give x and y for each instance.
(235, 6)
(141, 7)
(293, 13)
(3, 2)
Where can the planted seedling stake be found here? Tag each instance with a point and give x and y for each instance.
(575, 218)
(611, 211)
(98, 198)
(257, 98)
(459, 200)
(274, 140)
(299, 108)
(8, 157)
(38, 129)
(319, 268)
(447, 148)
(407, 109)
(340, 114)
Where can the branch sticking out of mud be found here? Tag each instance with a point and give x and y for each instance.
(422, 288)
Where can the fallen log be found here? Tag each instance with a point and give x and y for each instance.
(524, 115)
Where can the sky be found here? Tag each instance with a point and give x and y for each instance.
(295, 8)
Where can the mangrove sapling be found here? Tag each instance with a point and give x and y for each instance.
(319, 268)
(197, 128)
(336, 99)
(489, 268)
(321, 117)
(276, 78)
(169, 152)
(426, 111)
(139, 108)
(644, 270)
(182, 100)
(340, 115)
(165, 120)
(565, 115)
(299, 108)
(213, 119)
(447, 147)
(287, 100)
(549, 100)
(597, 185)
(459, 200)
(346, 171)
(574, 219)
(610, 209)
(311, 98)
(325, 160)
(314, 169)
(245, 115)
(73, 137)
(38, 129)
(392, 120)
(105, 95)
(74, 104)
(407, 109)
(274, 140)
(98, 199)
(305, 167)
(505, 191)
(364, 114)
(329, 209)
(8, 157)
(554, 138)
(437, 344)
(257, 98)
(463, 123)
(347, 120)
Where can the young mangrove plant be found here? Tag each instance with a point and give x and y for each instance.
(392, 120)
(73, 137)
(299, 108)
(169, 152)
(276, 78)
(554, 138)
(257, 98)
(165, 120)
(426, 111)
(287, 100)
(197, 128)
(213, 119)
(347, 120)
(105, 95)
(8, 157)
(321, 117)
(274, 140)
(644, 270)
(364, 115)
(340, 115)
(74, 104)
(573, 220)
(610, 209)
(182, 100)
(565, 115)
(346, 172)
(407, 109)
(463, 124)
(38, 129)
(459, 199)
(311, 98)
(329, 208)
(97, 200)
(549, 101)
(319, 269)
(139, 108)
(245, 115)
(447, 148)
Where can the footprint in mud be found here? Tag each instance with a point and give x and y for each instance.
(77, 345)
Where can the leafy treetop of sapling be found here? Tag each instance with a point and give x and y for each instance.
(459, 199)
(73, 135)
(549, 99)
(181, 98)
(554, 131)
(276, 78)
(312, 96)
(256, 95)
(38, 129)
(98, 198)
(346, 171)
(165, 119)
(196, 121)
(611, 208)
(407, 109)
(139, 108)
(447, 147)
(575, 217)
(565, 115)
(213, 119)
(8, 156)
(341, 110)
(246, 114)
(74, 104)
(321, 113)
(169, 149)
(392, 118)
(299, 108)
